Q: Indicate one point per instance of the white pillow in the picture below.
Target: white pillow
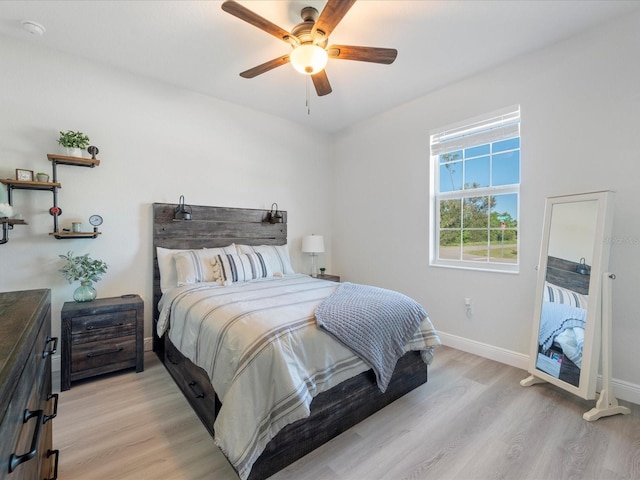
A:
(194, 266)
(276, 256)
(241, 267)
(556, 294)
(168, 274)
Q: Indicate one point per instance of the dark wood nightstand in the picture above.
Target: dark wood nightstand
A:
(101, 336)
(331, 278)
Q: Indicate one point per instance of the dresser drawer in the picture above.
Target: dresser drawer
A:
(104, 353)
(26, 404)
(110, 325)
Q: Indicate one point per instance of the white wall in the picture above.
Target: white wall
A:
(156, 143)
(575, 97)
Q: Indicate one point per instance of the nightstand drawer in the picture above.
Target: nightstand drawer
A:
(105, 352)
(112, 325)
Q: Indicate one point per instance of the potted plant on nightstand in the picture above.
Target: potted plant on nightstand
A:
(85, 269)
(73, 142)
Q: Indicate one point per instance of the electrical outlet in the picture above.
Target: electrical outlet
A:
(467, 302)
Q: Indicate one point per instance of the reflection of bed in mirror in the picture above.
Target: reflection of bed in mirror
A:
(563, 320)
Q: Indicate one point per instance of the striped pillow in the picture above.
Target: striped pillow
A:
(194, 266)
(243, 267)
(554, 293)
(277, 256)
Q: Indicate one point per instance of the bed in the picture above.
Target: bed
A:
(333, 402)
(563, 319)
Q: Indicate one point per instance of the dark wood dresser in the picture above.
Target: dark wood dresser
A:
(27, 406)
(101, 336)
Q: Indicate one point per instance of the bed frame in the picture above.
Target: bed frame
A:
(333, 411)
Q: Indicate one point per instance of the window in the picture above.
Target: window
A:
(475, 189)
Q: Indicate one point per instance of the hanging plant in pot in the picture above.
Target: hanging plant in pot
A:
(73, 143)
(85, 269)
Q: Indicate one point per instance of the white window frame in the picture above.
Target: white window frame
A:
(492, 127)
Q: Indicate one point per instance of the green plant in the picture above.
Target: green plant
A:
(42, 173)
(82, 268)
(71, 139)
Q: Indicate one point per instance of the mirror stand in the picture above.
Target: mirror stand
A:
(607, 403)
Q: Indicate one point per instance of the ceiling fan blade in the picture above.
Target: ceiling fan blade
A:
(265, 67)
(331, 15)
(243, 13)
(321, 82)
(363, 54)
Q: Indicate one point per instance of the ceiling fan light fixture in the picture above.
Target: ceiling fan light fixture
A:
(309, 59)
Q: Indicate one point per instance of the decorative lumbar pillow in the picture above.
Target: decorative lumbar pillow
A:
(276, 256)
(555, 294)
(194, 266)
(242, 267)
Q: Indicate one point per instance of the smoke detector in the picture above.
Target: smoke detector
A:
(34, 28)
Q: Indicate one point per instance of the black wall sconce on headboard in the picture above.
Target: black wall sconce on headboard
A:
(274, 216)
(182, 211)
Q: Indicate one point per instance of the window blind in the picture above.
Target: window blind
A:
(476, 132)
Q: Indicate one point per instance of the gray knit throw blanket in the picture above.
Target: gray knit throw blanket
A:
(373, 322)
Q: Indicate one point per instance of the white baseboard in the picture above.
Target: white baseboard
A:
(627, 391)
(485, 350)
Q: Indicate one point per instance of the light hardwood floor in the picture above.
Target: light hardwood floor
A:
(472, 420)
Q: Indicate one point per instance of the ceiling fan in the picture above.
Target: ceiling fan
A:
(309, 42)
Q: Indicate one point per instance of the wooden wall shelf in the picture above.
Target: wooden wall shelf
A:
(29, 185)
(53, 186)
(75, 161)
(67, 235)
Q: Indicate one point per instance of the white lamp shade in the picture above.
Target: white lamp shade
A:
(308, 59)
(313, 244)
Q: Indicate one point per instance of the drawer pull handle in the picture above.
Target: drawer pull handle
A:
(15, 460)
(105, 352)
(55, 465)
(198, 393)
(119, 324)
(51, 351)
(55, 407)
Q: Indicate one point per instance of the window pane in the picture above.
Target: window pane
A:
(510, 144)
(504, 245)
(476, 212)
(475, 245)
(450, 156)
(451, 177)
(450, 214)
(477, 151)
(506, 168)
(450, 247)
(504, 208)
(476, 173)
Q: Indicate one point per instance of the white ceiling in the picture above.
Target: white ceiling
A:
(195, 45)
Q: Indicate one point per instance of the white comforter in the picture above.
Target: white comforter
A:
(270, 358)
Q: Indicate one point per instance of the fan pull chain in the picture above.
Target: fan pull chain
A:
(308, 103)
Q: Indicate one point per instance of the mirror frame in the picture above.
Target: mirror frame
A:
(592, 338)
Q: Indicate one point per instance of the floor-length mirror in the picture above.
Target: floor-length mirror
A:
(565, 344)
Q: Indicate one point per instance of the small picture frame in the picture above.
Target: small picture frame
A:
(24, 175)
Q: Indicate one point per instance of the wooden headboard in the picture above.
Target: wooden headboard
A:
(209, 227)
(563, 273)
